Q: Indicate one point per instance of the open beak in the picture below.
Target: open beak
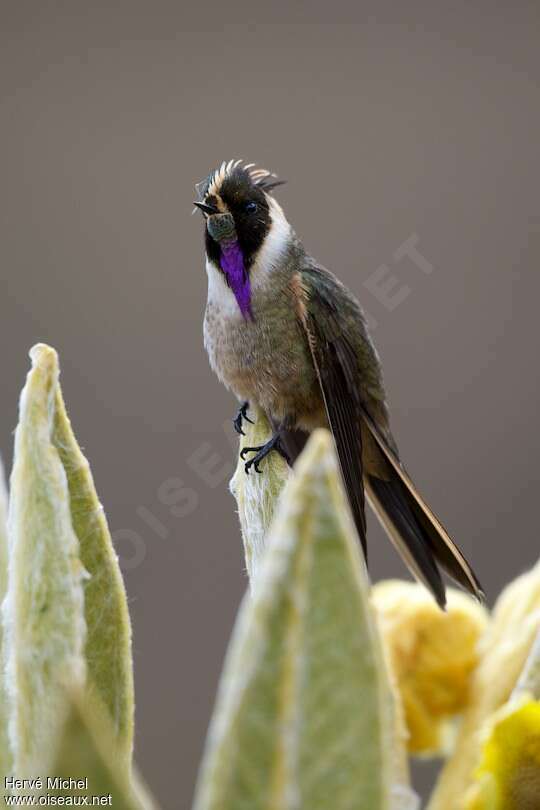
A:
(206, 209)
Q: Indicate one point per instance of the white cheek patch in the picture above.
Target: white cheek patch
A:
(273, 248)
(219, 292)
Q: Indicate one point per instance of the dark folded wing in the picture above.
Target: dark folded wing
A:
(336, 366)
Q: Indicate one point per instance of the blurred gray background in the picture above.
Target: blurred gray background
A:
(396, 125)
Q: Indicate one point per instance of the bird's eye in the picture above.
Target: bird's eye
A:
(250, 207)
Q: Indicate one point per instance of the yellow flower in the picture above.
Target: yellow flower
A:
(508, 777)
(432, 655)
(504, 649)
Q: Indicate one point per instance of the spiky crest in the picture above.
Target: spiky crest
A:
(262, 178)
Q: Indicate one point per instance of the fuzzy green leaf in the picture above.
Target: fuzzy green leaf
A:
(6, 763)
(257, 495)
(529, 680)
(84, 752)
(44, 610)
(3, 532)
(305, 710)
(108, 630)
(66, 615)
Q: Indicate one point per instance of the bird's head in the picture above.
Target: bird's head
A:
(242, 219)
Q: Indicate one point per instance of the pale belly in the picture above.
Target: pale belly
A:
(265, 361)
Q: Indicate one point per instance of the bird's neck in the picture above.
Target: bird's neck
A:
(233, 265)
(241, 288)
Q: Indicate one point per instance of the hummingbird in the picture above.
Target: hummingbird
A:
(282, 332)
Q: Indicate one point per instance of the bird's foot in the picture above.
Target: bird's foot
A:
(240, 416)
(262, 451)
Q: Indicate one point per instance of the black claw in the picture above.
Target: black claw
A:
(261, 452)
(245, 450)
(253, 462)
(237, 424)
(239, 418)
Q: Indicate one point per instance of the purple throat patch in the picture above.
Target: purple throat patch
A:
(234, 268)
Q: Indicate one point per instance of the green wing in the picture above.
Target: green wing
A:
(337, 366)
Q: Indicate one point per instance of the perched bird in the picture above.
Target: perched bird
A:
(283, 332)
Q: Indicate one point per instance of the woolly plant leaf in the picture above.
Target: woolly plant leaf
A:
(87, 764)
(529, 680)
(44, 622)
(305, 711)
(257, 494)
(108, 629)
(66, 613)
(6, 765)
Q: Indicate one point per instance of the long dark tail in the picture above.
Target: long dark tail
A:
(417, 533)
(389, 503)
